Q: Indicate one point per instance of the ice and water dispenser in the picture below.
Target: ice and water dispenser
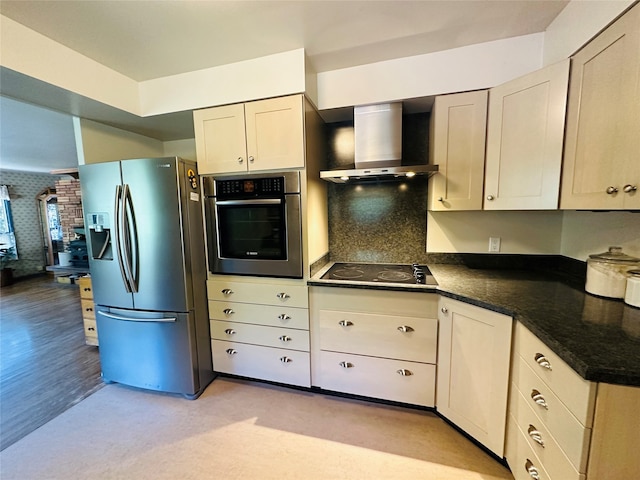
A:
(100, 236)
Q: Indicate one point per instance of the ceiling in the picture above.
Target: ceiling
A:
(167, 37)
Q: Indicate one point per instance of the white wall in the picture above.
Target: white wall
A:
(181, 148)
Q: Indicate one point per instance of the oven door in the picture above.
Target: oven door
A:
(261, 236)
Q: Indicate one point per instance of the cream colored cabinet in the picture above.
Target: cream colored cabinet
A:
(88, 311)
(260, 330)
(525, 133)
(261, 135)
(457, 144)
(474, 347)
(602, 146)
(374, 343)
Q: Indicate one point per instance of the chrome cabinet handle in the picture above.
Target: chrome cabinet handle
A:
(490, 197)
(629, 188)
(282, 296)
(227, 291)
(537, 397)
(283, 316)
(284, 338)
(240, 160)
(285, 360)
(346, 364)
(444, 310)
(251, 159)
(532, 470)
(535, 435)
(230, 331)
(405, 328)
(231, 351)
(611, 190)
(345, 323)
(404, 372)
(228, 311)
(542, 361)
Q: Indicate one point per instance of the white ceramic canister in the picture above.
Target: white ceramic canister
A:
(632, 294)
(607, 272)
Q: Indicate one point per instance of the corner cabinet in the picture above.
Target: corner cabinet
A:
(474, 349)
(524, 140)
(261, 135)
(457, 143)
(602, 146)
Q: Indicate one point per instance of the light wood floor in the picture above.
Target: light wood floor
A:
(45, 366)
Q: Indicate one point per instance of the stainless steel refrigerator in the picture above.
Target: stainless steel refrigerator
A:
(145, 239)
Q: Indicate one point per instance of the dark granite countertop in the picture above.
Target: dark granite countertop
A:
(599, 338)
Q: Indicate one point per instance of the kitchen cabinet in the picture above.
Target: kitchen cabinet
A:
(374, 343)
(474, 347)
(602, 145)
(525, 133)
(88, 311)
(260, 330)
(457, 145)
(260, 135)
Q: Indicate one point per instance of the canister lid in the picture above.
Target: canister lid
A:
(614, 255)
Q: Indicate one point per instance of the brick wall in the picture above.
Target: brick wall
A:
(69, 207)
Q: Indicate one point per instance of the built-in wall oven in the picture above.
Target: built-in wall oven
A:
(254, 224)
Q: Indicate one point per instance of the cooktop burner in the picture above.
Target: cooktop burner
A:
(381, 273)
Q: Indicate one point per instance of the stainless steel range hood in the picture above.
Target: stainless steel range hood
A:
(378, 173)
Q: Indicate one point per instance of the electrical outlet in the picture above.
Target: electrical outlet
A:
(494, 244)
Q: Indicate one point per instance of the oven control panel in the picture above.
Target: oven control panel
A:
(256, 187)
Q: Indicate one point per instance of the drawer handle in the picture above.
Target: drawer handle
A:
(405, 328)
(227, 291)
(284, 316)
(285, 338)
(532, 470)
(87, 289)
(404, 372)
(89, 309)
(228, 311)
(346, 364)
(535, 435)
(542, 361)
(231, 351)
(230, 331)
(283, 296)
(345, 323)
(444, 310)
(91, 329)
(285, 360)
(539, 399)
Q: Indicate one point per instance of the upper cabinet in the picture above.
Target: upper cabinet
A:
(261, 135)
(458, 131)
(524, 140)
(602, 146)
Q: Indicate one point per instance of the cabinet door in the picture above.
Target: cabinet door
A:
(220, 139)
(524, 140)
(458, 133)
(275, 133)
(603, 120)
(474, 347)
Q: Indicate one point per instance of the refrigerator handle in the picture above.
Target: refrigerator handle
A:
(129, 233)
(129, 319)
(118, 236)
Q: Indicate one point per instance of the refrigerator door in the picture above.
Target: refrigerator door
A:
(156, 228)
(100, 183)
(151, 350)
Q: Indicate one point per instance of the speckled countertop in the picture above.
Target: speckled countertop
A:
(597, 337)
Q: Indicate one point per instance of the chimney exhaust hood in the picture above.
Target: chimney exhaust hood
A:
(377, 147)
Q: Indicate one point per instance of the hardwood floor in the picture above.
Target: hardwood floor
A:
(45, 366)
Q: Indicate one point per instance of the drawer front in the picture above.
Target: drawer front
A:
(404, 338)
(264, 363)
(90, 328)
(275, 316)
(557, 418)
(260, 335)
(86, 291)
(560, 463)
(577, 393)
(261, 293)
(378, 378)
(88, 309)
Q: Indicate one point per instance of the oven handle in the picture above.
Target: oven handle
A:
(263, 201)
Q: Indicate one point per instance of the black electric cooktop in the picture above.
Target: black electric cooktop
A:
(379, 273)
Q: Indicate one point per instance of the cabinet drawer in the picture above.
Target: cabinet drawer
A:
(275, 316)
(88, 309)
(261, 293)
(404, 338)
(265, 363)
(90, 328)
(378, 378)
(559, 462)
(575, 392)
(557, 418)
(260, 335)
(86, 291)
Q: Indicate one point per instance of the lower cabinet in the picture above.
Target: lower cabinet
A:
(374, 343)
(88, 311)
(473, 370)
